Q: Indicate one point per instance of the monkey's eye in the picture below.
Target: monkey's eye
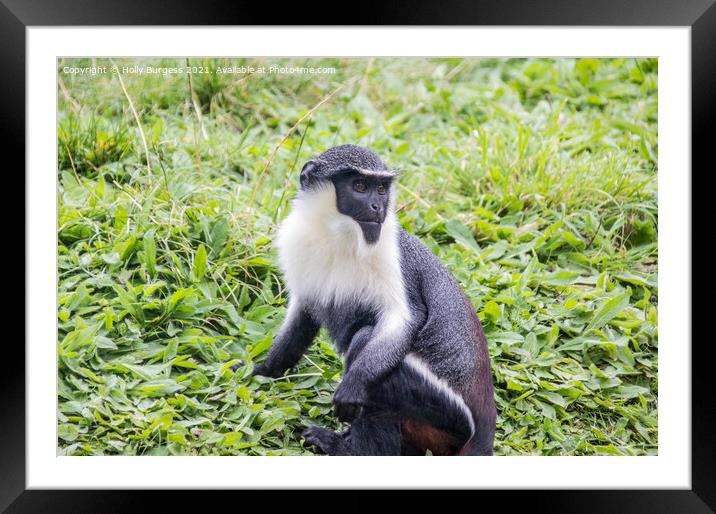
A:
(359, 186)
(381, 189)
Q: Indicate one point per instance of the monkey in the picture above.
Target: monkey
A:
(417, 373)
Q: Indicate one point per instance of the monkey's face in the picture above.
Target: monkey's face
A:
(365, 198)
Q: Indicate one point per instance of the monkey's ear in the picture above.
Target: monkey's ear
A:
(308, 173)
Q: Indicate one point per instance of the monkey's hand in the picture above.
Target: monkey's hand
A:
(349, 399)
(237, 366)
(264, 371)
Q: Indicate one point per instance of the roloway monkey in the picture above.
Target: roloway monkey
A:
(417, 371)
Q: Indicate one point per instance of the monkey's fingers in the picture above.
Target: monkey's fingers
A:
(318, 437)
(236, 366)
(263, 371)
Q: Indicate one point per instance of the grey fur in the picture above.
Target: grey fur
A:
(348, 158)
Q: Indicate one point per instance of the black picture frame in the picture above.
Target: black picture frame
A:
(699, 15)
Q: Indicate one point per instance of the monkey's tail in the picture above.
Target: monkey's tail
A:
(415, 392)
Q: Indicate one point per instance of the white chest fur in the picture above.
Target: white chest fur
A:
(325, 258)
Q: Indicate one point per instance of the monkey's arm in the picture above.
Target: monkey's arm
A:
(294, 337)
(385, 349)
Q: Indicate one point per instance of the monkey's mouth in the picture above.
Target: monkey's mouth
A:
(371, 230)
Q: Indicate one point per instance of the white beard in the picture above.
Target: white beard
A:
(324, 257)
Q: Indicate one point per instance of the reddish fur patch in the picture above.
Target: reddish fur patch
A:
(479, 397)
(422, 436)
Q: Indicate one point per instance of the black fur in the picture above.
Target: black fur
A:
(365, 199)
(294, 338)
(381, 390)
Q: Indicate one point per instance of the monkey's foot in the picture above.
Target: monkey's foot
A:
(327, 441)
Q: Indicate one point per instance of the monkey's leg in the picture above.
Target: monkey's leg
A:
(295, 336)
(431, 415)
(375, 433)
(410, 406)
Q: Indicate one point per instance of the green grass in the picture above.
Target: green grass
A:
(533, 180)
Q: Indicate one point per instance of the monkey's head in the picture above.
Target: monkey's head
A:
(362, 183)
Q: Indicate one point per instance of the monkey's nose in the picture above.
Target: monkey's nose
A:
(374, 206)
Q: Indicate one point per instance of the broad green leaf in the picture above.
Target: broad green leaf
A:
(199, 267)
(608, 311)
(462, 235)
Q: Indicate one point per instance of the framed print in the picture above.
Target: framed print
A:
(466, 236)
